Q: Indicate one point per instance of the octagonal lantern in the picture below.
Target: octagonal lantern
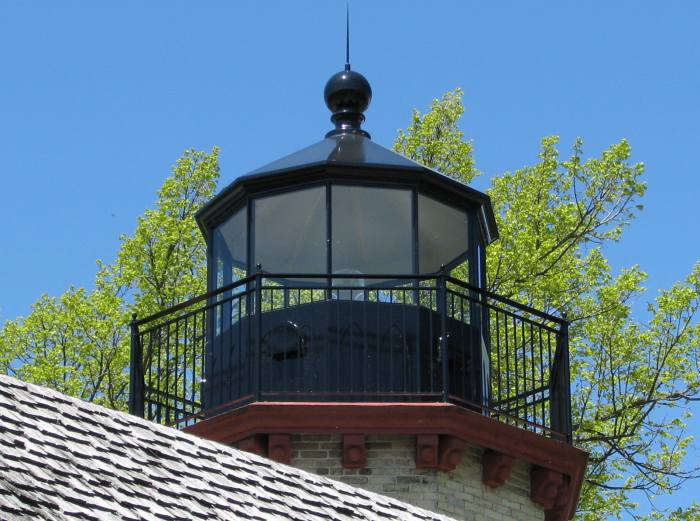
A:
(327, 261)
(346, 206)
(351, 280)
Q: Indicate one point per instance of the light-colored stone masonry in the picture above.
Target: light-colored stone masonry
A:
(391, 471)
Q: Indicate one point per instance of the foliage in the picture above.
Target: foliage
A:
(435, 140)
(78, 343)
(74, 343)
(632, 379)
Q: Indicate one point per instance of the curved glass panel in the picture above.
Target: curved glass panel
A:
(230, 246)
(372, 230)
(443, 234)
(290, 232)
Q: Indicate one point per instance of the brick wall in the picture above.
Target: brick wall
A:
(391, 471)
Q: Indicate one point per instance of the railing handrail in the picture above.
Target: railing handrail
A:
(442, 290)
(194, 300)
(505, 300)
(382, 276)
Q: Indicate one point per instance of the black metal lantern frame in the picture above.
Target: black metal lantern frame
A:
(329, 175)
(408, 335)
(472, 248)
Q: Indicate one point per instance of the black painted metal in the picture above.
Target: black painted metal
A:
(136, 396)
(348, 159)
(469, 255)
(398, 338)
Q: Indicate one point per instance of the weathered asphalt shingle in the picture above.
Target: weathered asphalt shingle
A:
(62, 458)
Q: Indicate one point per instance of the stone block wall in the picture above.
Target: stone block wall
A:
(391, 470)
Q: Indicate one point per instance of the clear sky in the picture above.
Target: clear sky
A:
(97, 100)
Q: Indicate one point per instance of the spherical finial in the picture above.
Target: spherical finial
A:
(347, 95)
(347, 91)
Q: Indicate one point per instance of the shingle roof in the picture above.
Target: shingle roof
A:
(62, 458)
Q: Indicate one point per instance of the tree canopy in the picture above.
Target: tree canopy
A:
(632, 377)
(78, 343)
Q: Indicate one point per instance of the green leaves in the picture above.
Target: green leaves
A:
(435, 140)
(73, 343)
(553, 219)
(632, 377)
(164, 262)
(78, 343)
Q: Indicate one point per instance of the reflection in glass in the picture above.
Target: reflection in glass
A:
(371, 230)
(290, 232)
(229, 248)
(443, 234)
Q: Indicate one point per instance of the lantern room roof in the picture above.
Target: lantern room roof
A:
(347, 149)
(347, 157)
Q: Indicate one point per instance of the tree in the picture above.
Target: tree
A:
(78, 343)
(632, 380)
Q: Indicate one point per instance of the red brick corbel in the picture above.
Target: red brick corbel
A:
(558, 511)
(450, 454)
(279, 447)
(354, 456)
(545, 486)
(255, 444)
(439, 452)
(496, 468)
(427, 451)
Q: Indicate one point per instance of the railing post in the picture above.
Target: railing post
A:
(258, 334)
(442, 310)
(560, 401)
(566, 382)
(136, 397)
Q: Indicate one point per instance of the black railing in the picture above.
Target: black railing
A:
(353, 338)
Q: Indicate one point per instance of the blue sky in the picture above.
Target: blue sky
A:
(98, 100)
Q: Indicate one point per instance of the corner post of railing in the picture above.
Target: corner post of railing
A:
(566, 380)
(561, 398)
(442, 310)
(258, 333)
(136, 397)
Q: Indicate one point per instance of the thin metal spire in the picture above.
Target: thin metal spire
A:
(347, 36)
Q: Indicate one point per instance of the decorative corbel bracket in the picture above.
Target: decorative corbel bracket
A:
(427, 451)
(354, 456)
(496, 468)
(279, 447)
(546, 487)
(438, 452)
(255, 444)
(451, 450)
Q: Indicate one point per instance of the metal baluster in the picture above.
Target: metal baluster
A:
(193, 381)
(176, 407)
(442, 309)
(498, 356)
(136, 395)
(257, 375)
(185, 342)
(542, 417)
(239, 371)
(516, 376)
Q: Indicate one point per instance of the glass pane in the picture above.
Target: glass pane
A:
(443, 234)
(230, 246)
(290, 232)
(372, 231)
